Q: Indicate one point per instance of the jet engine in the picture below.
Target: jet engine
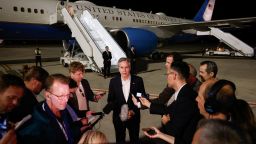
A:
(143, 41)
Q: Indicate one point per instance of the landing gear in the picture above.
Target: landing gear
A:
(232, 53)
(157, 56)
(64, 64)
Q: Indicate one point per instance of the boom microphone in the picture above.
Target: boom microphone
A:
(124, 112)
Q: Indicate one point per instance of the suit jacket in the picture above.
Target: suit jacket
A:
(164, 96)
(88, 93)
(107, 56)
(183, 113)
(116, 97)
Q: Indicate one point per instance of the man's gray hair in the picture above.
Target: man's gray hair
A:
(124, 59)
(214, 131)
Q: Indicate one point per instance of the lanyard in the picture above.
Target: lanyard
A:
(62, 126)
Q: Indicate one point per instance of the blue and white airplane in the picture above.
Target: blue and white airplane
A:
(42, 20)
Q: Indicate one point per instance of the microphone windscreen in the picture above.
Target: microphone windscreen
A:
(124, 112)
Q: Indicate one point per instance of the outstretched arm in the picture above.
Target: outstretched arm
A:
(158, 134)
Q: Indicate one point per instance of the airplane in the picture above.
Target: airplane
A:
(42, 20)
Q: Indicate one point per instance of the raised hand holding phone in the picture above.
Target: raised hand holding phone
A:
(149, 131)
(153, 132)
(138, 95)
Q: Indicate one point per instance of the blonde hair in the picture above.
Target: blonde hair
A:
(93, 137)
(76, 66)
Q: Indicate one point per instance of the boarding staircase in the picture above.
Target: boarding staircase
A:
(93, 38)
(230, 40)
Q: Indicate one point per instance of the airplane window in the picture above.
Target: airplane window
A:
(35, 10)
(120, 19)
(22, 9)
(113, 18)
(105, 17)
(29, 10)
(15, 8)
(42, 11)
(117, 18)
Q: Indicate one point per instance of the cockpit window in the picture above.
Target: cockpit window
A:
(22, 9)
(29, 10)
(42, 11)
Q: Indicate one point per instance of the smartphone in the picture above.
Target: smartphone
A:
(138, 94)
(150, 131)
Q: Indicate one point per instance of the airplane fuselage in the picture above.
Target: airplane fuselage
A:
(37, 19)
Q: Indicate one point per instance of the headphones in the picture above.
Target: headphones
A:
(212, 105)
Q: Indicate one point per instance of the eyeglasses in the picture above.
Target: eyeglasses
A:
(60, 97)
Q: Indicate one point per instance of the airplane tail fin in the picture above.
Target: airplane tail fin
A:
(206, 11)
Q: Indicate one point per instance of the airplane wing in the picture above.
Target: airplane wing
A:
(166, 31)
(235, 23)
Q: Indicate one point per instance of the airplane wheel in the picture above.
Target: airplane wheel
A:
(64, 64)
(162, 56)
(232, 54)
(211, 53)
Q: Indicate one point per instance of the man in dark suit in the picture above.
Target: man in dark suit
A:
(180, 114)
(131, 54)
(121, 89)
(167, 92)
(38, 57)
(107, 61)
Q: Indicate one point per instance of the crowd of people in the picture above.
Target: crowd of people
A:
(195, 111)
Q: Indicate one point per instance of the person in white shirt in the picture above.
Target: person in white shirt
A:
(126, 114)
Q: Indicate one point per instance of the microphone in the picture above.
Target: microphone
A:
(90, 119)
(124, 112)
(108, 108)
(97, 113)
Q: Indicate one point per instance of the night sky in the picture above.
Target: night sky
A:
(186, 8)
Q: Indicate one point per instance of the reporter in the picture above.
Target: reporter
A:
(93, 137)
(11, 91)
(83, 94)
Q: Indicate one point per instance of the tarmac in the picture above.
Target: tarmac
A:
(240, 71)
